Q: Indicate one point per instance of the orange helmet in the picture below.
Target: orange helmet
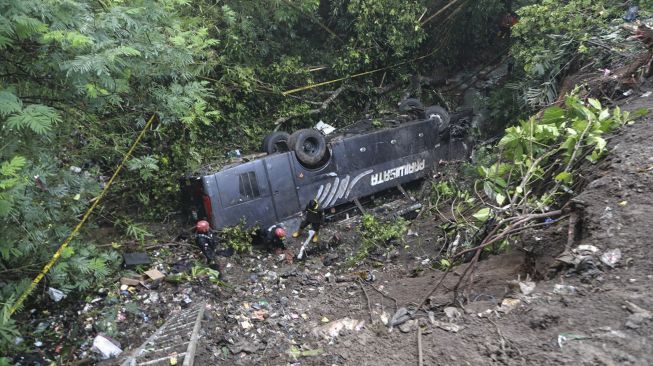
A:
(202, 226)
(280, 232)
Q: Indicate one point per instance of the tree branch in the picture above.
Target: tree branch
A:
(318, 110)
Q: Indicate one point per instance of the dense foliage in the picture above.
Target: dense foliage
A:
(554, 39)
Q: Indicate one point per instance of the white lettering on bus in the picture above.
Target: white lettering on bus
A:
(398, 172)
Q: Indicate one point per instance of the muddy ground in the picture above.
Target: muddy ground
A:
(575, 315)
(273, 310)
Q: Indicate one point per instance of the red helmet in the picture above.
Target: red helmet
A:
(280, 232)
(202, 226)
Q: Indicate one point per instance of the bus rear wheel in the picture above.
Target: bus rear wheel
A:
(309, 146)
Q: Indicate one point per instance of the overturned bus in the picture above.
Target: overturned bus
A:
(274, 189)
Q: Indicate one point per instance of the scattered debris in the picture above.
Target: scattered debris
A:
(106, 347)
(130, 281)
(325, 128)
(449, 327)
(508, 305)
(561, 289)
(611, 257)
(135, 259)
(638, 315)
(333, 329)
(400, 317)
(566, 337)
(452, 313)
(409, 326)
(56, 295)
(518, 287)
(296, 352)
(154, 274)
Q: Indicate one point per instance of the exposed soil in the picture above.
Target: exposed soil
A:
(276, 311)
(588, 323)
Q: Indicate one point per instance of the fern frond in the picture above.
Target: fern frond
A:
(36, 117)
(9, 103)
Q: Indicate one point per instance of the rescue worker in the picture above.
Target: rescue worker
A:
(314, 217)
(206, 239)
(275, 236)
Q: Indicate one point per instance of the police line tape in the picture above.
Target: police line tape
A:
(311, 86)
(66, 242)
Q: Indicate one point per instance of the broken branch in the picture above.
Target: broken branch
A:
(320, 109)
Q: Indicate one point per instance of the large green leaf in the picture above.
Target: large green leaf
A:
(9, 103)
(36, 117)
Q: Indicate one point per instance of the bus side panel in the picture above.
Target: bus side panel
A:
(282, 185)
(241, 193)
(345, 187)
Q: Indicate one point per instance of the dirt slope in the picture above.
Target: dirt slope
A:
(589, 323)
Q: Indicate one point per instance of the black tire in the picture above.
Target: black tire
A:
(275, 142)
(309, 146)
(439, 115)
(410, 104)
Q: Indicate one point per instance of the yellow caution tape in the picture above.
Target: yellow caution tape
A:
(66, 242)
(311, 86)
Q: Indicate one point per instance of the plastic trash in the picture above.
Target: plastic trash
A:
(611, 257)
(564, 289)
(325, 128)
(55, 294)
(105, 347)
(631, 13)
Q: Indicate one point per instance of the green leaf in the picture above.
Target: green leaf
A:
(564, 177)
(500, 198)
(482, 215)
(10, 168)
(594, 103)
(9, 103)
(36, 117)
(552, 115)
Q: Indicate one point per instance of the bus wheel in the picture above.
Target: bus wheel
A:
(309, 146)
(275, 142)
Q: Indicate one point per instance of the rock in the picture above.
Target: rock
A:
(330, 259)
(106, 347)
(243, 346)
(409, 326)
(638, 315)
(452, 313)
(479, 306)
(271, 276)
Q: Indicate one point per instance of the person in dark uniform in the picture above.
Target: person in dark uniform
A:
(275, 236)
(206, 240)
(314, 217)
